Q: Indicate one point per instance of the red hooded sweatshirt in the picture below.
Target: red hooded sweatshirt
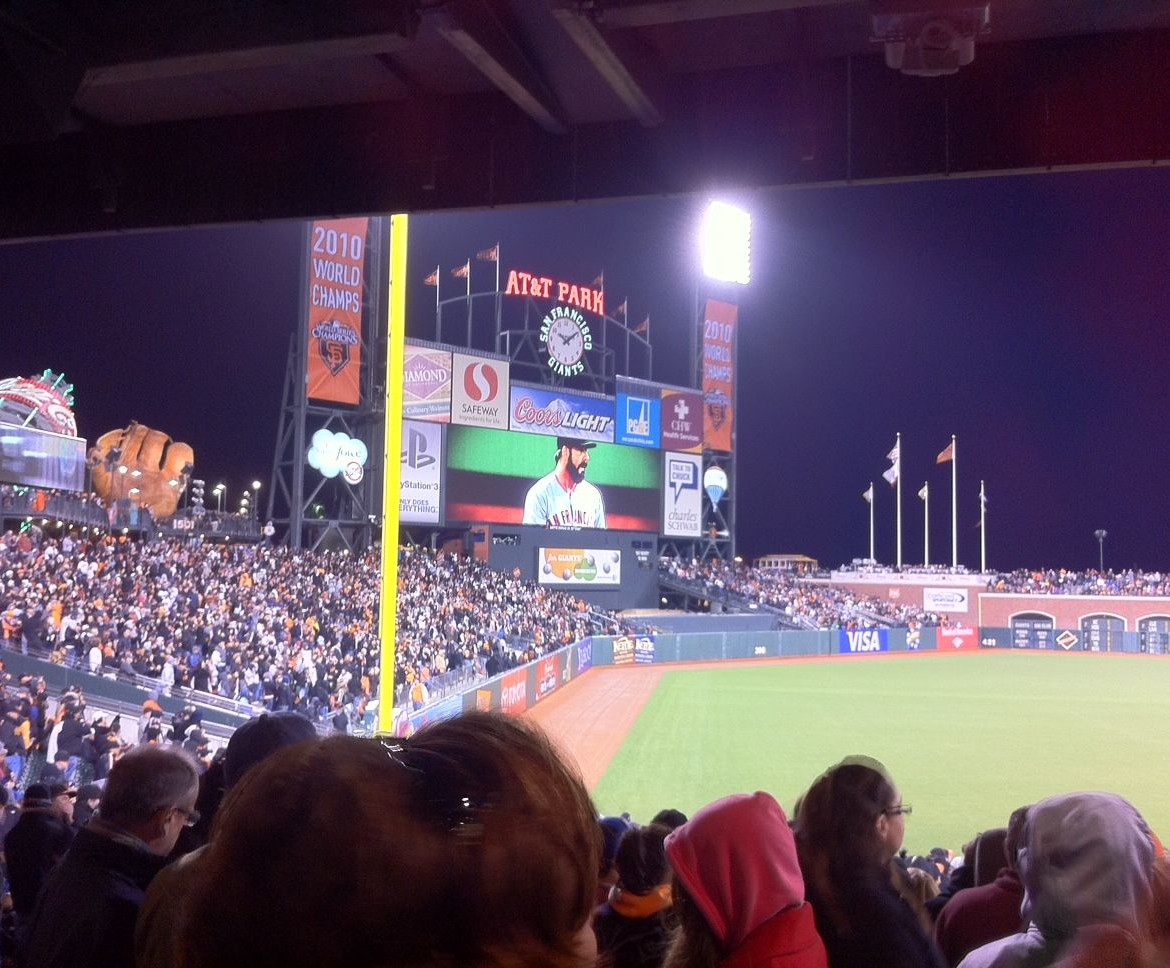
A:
(737, 859)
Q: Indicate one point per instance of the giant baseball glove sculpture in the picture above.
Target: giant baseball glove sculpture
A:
(156, 472)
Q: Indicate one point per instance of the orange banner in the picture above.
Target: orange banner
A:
(719, 374)
(337, 259)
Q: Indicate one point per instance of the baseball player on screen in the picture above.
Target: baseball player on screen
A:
(563, 498)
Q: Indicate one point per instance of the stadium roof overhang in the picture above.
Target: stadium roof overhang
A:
(138, 114)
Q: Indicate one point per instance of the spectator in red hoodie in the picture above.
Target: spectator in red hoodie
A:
(738, 890)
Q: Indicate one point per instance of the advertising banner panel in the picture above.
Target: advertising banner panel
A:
(420, 497)
(558, 413)
(37, 458)
(444, 709)
(579, 566)
(336, 269)
(682, 420)
(503, 477)
(479, 391)
(946, 600)
(514, 692)
(719, 374)
(957, 637)
(858, 641)
(682, 495)
(639, 414)
(644, 650)
(426, 384)
(547, 677)
(623, 650)
(584, 655)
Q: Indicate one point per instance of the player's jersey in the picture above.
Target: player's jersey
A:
(549, 504)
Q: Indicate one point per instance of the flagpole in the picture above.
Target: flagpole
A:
(898, 445)
(954, 508)
(871, 496)
(467, 266)
(926, 525)
(982, 530)
(438, 324)
(499, 301)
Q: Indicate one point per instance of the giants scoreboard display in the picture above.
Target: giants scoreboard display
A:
(506, 448)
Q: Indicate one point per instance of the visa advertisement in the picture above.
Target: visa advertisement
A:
(555, 412)
(639, 414)
(420, 496)
(862, 641)
(579, 566)
(426, 384)
(479, 391)
(682, 495)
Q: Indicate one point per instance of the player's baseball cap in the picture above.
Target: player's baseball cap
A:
(575, 442)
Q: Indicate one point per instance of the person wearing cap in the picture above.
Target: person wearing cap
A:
(563, 498)
(85, 805)
(89, 905)
(33, 847)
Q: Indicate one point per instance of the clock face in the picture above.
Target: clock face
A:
(566, 343)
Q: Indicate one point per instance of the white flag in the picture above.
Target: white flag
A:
(891, 474)
(893, 454)
(867, 494)
(925, 490)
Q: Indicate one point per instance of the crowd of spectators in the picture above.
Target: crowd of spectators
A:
(808, 603)
(268, 626)
(1064, 581)
(195, 862)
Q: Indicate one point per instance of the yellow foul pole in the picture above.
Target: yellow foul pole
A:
(391, 470)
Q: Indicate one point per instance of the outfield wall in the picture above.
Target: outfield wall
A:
(520, 689)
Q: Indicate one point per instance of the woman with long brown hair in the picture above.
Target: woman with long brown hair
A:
(469, 844)
(850, 824)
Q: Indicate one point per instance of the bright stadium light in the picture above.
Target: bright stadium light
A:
(725, 243)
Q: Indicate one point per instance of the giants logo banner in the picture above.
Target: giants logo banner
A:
(336, 262)
(479, 391)
(719, 375)
(426, 384)
(682, 421)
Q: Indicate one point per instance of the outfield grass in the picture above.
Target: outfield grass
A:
(967, 737)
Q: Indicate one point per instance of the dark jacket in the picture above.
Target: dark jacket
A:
(632, 930)
(884, 931)
(87, 913)
(33, 847)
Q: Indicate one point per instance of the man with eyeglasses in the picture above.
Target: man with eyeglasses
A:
(86, 914)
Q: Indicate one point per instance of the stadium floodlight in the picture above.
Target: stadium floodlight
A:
(725, 243)
(255, 485)
(1100, 534)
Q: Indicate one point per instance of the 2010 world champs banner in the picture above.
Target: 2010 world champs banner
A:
(336, 289)
(719, 375)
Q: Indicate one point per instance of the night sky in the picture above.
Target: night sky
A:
(1026, 315)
